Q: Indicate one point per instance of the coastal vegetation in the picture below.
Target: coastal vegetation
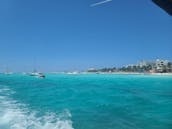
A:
(158, 66)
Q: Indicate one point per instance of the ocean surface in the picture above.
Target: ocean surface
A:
(96, 101)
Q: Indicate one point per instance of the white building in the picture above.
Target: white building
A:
(142, 63)
(146, 63)
(161, 64)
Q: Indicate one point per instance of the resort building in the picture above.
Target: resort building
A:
(156, 66)
(161, 65)
(146, 63)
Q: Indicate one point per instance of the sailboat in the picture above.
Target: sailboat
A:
(37, 74)
(7, 72)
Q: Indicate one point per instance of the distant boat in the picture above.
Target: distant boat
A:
(8, 73)
(37, 74)
(41, 75)
(74, 73)
(34, 74)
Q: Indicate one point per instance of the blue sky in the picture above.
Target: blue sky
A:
(57, 35)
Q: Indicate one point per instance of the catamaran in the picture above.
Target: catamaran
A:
(37, 74)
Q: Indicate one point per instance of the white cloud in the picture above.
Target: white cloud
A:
(101, 2)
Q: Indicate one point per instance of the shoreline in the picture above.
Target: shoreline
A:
(129, 73)
(113, 73)
(110, 73)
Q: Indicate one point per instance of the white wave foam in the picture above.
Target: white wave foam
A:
(16, 116)
(4, 89)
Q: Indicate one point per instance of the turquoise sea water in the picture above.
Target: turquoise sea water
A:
(86, 102)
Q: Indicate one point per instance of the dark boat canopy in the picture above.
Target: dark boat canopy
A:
(165, 5)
